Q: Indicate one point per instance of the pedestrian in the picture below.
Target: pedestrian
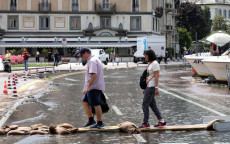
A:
(93, 87)
(49, 55)
(77, 56)
(151, 91)
(166, 56)
(7, 62)
(8, 55)
(117, 59)
(25, 56)
(37, 56)
(56, 58)
(112, 56)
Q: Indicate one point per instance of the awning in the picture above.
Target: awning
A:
(68, 45)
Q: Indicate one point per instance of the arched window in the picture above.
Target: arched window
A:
(120, 27)
(220, 12)
(225, 14)
(90, 26)
(105, 34)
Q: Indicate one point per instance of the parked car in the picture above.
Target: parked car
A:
(100, 53)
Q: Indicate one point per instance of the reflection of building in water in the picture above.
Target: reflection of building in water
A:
(69, 24)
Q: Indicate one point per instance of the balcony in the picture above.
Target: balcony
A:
(75, 7)
(13, 7)
(105, 8)
(44, 7)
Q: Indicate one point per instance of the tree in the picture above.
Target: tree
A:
(219, 23)
(207, 21)
(185, 38)
(191, 17)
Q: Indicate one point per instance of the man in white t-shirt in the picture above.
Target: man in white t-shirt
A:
(152, 79)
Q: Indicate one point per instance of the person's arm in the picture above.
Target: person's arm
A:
(157, 75)
(91, 82)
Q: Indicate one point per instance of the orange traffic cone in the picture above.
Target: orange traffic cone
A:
(14, 94)
(9, 84)
(5, 89)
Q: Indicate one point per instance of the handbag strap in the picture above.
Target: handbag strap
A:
(151, 77)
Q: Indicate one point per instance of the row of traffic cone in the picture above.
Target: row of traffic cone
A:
(14, 81)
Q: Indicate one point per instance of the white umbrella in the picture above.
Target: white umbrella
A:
(219, 38)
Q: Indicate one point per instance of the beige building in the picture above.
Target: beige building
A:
(69, 24)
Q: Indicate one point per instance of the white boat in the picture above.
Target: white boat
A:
(217, 65)
(197, 64)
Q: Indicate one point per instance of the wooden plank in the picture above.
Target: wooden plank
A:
(176, 128)
(105, 129)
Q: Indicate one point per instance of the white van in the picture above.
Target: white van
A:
(156, 43)
(100, 53)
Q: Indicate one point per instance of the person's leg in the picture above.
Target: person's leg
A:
(26, 65)
(145, 106)
(153, 104)
(88, 111)
(98, 112)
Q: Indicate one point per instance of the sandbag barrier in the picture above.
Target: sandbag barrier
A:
(125, 127)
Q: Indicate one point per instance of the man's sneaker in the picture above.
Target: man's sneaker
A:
(90, 123)
(97, 126)
(160, 124)
(144, 125)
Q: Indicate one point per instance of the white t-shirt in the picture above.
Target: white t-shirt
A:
(154, 66)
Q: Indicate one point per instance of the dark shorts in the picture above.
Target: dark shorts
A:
(93, 97)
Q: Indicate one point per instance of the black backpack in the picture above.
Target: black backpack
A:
(143, 83)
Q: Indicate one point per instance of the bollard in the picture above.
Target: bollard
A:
(70, 70)
(228, 75)
(127, 63)
(53, 71)
(9, 84)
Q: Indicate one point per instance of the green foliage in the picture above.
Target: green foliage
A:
(20, 51)
(13, 52)
(185, 38)
(219, 23)
(170, 51)
(207, 21)
(45, 52)
(194, 19)
(108, 51)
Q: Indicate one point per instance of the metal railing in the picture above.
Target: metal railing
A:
(13, 7)
(75, 7)
(105, 8)
(44, 7)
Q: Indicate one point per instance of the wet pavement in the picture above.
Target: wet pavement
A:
(177, 90)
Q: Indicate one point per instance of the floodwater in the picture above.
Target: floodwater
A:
(63, 104)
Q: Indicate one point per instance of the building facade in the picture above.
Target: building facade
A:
(217, 7)
(69, 24)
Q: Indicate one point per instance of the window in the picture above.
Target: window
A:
(44, 22)
(75, 5)
(75, 22)
(220, 12)
(225, 14)
(105, 4)
(13, 4)
(105, 22)
(13, 22)
(135, 5)
(120, 27)
(155, 24)
(90, 26)
(135, 23)
(229, 14)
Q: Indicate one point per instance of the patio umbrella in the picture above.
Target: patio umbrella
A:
(219, 38)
